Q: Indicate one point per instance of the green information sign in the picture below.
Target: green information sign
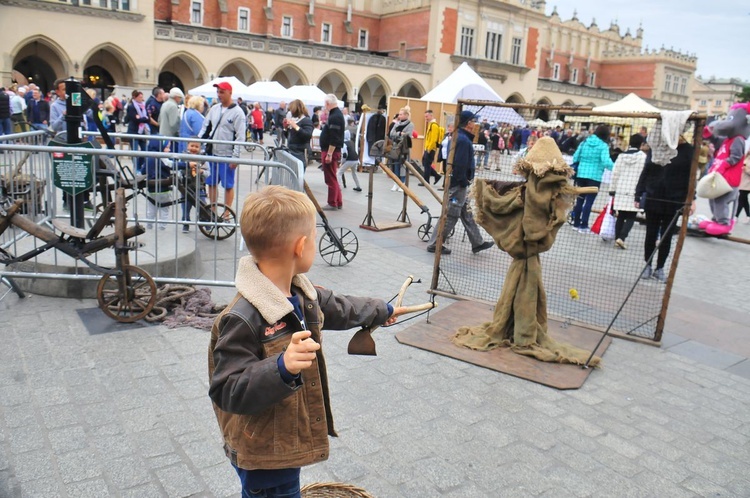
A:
(72, 172)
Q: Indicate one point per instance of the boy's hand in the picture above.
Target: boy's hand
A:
(400, 310)
(300, 353)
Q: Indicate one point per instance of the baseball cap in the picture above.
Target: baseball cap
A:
(176, 92)
(223, 85)
(465, 117)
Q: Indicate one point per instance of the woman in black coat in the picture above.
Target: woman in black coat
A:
(300, 128)
(665, 188)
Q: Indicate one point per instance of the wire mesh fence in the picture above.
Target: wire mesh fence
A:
(612, 262)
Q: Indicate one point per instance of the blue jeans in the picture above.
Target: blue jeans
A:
(139, 162)
(6, 126)
(584, 202)
(289, 489)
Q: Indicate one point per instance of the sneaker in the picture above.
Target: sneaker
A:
(150, 226)
(659, 275)
(621, 244)
(162, 227)
(647, 272)
(185, 228)
(444, 250)
(394, 188)
(400, 189)
(88, 206)
(584, 231)
(481, 247)
(357, 189)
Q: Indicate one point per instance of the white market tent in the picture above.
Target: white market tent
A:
(538, 123)
(208, 90)
(311, 95)
(630, 103)
(465, 83)
(268, 92)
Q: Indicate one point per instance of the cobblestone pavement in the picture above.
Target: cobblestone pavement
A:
(126, 413)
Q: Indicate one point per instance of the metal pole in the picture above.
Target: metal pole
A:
(73, 117)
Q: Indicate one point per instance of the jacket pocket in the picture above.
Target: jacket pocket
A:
(283, 429)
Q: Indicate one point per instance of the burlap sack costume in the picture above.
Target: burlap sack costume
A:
(523, 218)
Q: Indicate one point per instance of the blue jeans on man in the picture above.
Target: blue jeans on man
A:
(6, 126)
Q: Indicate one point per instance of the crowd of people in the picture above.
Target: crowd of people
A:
(331, 132)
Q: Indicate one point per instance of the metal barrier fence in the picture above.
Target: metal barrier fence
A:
(200, 248)
(588, 281)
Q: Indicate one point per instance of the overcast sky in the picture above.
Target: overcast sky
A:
(715, 31)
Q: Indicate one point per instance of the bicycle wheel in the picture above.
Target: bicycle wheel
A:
(218, 221)
(131, 301)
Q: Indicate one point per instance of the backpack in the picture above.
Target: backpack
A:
(441, 135)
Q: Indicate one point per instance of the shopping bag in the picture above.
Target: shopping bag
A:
(607, 232)
(599, 223)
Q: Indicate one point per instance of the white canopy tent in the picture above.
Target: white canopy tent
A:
(538, 123)
(311, 95)
(208, 90)
(465, 83)
(268, 92)
(630, 103)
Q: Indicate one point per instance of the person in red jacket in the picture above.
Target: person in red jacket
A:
(257, 117)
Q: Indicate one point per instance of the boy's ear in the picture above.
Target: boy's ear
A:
(299, 246)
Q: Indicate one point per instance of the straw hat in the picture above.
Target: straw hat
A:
(544, 156)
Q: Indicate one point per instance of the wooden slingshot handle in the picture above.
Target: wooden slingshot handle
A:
(362, 342)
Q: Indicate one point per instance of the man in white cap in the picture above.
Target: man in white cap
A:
(169, 117)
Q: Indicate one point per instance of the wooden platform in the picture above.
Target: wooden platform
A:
(435, 336)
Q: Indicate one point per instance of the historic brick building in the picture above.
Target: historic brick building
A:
(361, 50)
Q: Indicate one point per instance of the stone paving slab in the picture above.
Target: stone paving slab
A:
(125, 413)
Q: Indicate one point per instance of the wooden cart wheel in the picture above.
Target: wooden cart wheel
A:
(222, 223)
(335, 254)
(127, 297)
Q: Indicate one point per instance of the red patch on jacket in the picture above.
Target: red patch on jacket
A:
(275, 328)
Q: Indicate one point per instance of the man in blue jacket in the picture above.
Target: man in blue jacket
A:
(461, 176)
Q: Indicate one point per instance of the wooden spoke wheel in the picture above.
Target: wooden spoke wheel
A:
(221, 224)
(338, 252)
(127, 297)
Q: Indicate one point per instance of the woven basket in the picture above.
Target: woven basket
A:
(333, 490)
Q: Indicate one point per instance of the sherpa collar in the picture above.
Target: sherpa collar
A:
(270, 302)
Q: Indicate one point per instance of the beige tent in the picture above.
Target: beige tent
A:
(630, 103)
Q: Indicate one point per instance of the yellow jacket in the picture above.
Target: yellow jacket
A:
(432, 136)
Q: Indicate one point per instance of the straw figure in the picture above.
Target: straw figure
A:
(523, 218)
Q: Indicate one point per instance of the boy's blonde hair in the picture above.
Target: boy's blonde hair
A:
(274, 217)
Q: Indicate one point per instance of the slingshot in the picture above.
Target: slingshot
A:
(362, 342)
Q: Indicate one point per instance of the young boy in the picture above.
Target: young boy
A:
(192, 175)
(267, 373)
